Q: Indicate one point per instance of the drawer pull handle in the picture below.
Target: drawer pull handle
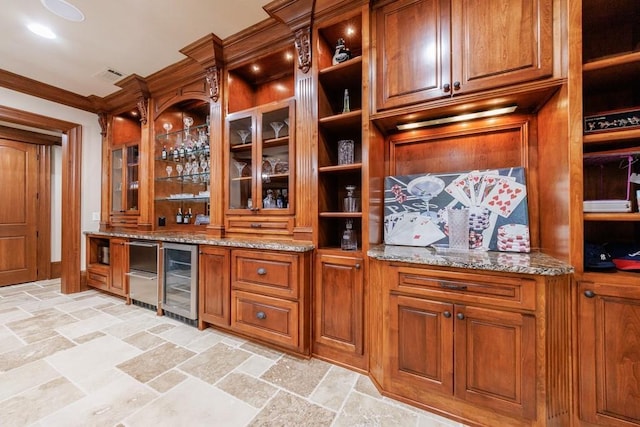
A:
(255, 225)
(589, 294)
(261, 315)
(447, 314)
(262, 271)
(446, 285)
(460, 316)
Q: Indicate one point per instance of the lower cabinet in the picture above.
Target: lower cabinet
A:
(107, 264)
(609, 354)
(338, 310)
(263, 295)
(487, 348)
(214, 286)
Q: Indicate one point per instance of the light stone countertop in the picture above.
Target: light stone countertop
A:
(510, 262)
(203, 239)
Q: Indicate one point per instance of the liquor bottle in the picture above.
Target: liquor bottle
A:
(179, 216)
(186, 219)
(181, 151)
(164, 152)
(345, 102)
(175, 154)
(349, 241)
(279, 199)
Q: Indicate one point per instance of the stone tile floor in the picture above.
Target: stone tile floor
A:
(88, 359)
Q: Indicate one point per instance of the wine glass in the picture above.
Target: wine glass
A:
(179, 169)
(273, 162)
(276, 126)
(187, 121)
(426, 188)
(188, 168)
(243, 133)
(169, 169)
(240, 166)
(167, 127)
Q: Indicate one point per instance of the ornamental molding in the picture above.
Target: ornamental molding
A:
(303, 47)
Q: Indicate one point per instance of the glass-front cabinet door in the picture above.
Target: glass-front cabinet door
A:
(260, 143)
(124, 179)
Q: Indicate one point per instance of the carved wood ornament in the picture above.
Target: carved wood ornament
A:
(102, 121)
(303, 46)
(213, 80)
(142, 109)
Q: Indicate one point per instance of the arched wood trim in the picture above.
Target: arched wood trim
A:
(71, 188)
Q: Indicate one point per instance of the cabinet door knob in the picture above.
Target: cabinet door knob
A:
(446, 87)
(447, 314)
(589, 294)
(456, 85)
(262, 271)
(460, 316)
(357, 266)
(261, 315)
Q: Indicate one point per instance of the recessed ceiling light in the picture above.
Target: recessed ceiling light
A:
(41, 30)
(64, 10)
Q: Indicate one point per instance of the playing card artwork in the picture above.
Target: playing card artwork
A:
(416, 208)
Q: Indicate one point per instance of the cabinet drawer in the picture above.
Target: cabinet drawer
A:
(124, 221)
(260, 225)
(97, 279)
(506, 291)
(275, 274)
(267, 318)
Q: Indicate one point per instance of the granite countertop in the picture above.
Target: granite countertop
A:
(509, 262)
(203, 239)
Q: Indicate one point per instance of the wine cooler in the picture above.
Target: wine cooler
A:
(180, 287)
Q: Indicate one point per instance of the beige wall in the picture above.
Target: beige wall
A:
(91, 162)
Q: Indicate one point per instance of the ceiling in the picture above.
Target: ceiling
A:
(126, 36)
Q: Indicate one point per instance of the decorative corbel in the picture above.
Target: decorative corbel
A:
(303, 46)
(102, 121)
(212, 75)
(142, 109)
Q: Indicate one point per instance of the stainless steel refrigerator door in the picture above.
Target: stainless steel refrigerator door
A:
(143, 287)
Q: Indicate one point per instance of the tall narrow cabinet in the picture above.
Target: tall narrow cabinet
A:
(344, 162)
(608, 299)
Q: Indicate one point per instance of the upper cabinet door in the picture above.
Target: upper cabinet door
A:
(413, 52)
(500, 42)
(431, 49)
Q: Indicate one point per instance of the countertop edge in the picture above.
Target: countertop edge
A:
(265, 244)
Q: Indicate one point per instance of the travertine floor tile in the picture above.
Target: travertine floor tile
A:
(334, 388)
(297, 375)
(193, 403)
(32, 352)
(155, 362)
(249, 389)
(286, 409)
(215, 363)
(35, 403)
(361, 410)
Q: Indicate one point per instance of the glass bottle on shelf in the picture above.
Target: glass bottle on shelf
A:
(351, 203)
(349, 241)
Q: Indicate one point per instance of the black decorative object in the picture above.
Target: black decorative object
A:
(342, 53)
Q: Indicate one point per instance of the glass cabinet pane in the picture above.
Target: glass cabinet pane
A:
(275, 158)
(241, 145)
(116, 180)
(132, 178)
(179, 294)
(259, 145)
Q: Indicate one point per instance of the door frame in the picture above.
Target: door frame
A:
(71, 189)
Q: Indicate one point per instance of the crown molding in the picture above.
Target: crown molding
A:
(38, 89)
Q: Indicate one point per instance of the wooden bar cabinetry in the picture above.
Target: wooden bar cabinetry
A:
(485, 348)
(429, 49)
